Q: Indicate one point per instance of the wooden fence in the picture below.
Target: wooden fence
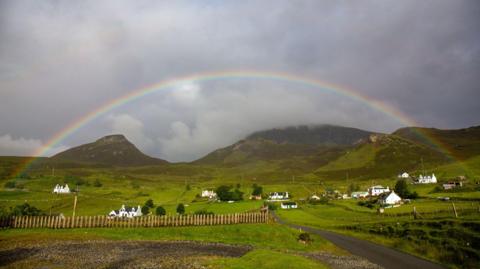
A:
(57, 222)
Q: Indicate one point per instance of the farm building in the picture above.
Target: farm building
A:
(209, 193)
(314, 197)
(390, 199)
(427, 179)
(61, 189)
(452, 185)
(404, 175)
(126, 211)
(278, 196)
(288, 205)
(377, 190)
(359, 194)
(255, 197)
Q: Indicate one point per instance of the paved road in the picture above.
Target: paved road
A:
(384, 256)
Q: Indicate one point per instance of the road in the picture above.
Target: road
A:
(384, 256)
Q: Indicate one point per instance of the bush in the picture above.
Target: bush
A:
(181, 209)
(203, 212)
(10, 185)
(160, 211)
(97, 183)
(257, 190)
(149, 203)
(304, 237)
(271, 206)
(224, 193)
(145, 210)
(26, 210)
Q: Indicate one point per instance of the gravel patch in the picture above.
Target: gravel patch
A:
(341, 262)
(117, 254)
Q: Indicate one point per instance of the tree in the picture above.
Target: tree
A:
(352, 188)
(145, 210)
(401, 188)
(181, 209)
(97, 183)
(149, 203)
(160, 211)
(224, 193)
(257, 190)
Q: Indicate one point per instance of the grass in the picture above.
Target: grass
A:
(269, 236)
(263, 259)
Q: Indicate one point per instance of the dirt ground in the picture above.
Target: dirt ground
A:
(116, 254)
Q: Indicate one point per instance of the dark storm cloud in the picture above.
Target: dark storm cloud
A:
(60, 60)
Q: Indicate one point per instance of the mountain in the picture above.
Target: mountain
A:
(326, 135)
(326, 151)
(461, 143)
(312, 145)
(114, 150)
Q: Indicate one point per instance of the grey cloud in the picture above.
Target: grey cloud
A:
(60, 60)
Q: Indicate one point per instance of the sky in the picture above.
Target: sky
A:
(60, 60)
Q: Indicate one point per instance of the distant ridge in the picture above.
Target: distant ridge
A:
(114, 150)
(327, 135)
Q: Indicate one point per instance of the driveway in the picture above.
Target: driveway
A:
(384, 256)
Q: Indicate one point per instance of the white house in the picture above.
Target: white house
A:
(390, 199)
(61, 189)
(427, 179)
(288, 205)
(404, 175)
(209, 193)
(126, 211)
(278, 196)
(359, 194)
(314, 197)
(377, 190)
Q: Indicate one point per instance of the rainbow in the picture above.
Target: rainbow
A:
(223, 75)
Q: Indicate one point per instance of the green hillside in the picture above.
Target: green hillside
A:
(113, 150)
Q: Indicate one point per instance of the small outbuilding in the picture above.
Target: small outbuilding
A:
(288, 205)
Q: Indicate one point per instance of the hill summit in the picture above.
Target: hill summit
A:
(113, 150)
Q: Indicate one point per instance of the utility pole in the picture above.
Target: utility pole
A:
(53, 171)
(75, 201)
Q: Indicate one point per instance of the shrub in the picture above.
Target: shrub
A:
(149, 203)
(10, 185)
(203, 212)
(26, 210)
(224, 193)
(145, 210)
(160, 211)
(257, 190)
(304, 237)
(97, 183)
(181, 209)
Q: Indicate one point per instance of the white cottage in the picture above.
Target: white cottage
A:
(278, 196)
(210, 194)
(126, 212)
(390, 199)
(427, 179)
(61, 189)
(288, 205)
(404, 175)
(377, 190)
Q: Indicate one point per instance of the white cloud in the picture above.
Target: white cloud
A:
(21, 146)
(132, 128)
